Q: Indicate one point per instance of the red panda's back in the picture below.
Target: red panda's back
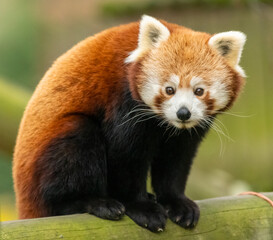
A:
(83, 80)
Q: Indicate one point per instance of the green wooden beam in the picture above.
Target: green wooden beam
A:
(238, 218)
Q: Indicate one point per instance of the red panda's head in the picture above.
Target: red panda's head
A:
(183, 75)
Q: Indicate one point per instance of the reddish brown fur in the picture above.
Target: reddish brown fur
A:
(86, 78)
(236, 85)
(133, 72)
(159, 99)
(82, 80)
(209, 102)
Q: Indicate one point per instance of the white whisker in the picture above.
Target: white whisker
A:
(208, 122)
(139, 114)
(235, 114)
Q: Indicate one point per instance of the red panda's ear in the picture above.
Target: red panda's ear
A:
(151, 33)
(230, 46)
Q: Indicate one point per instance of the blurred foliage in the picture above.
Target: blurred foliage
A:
(127, 8)
(6, 176)
(7, 210)
(13, 100)
(19, 41)
(34, 33)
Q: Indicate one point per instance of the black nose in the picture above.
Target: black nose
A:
(183, 114)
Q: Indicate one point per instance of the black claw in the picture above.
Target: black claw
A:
(147, 214)
(184, 212)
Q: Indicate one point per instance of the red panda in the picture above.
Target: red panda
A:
(116, 105)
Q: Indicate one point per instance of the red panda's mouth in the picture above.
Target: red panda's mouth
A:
(185, 124)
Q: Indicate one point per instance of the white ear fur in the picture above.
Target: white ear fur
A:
(230, 46)
(151, 34)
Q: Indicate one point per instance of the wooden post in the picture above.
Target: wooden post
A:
(238, 218)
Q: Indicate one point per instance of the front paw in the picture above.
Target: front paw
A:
(106, 208)
(183, 212)
(147, 214)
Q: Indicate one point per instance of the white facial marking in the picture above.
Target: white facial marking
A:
(149, 90)
(184, 97)
(197, 82)
(218, 92)
(175, 80)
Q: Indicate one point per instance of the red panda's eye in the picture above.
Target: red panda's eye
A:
(199, 91)
(170, 90)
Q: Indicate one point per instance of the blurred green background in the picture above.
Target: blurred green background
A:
(34, 33)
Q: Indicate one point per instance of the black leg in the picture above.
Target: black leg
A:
(169, 176)
(140, 205)
(72, 173)
(130, 151)
(128, 184)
